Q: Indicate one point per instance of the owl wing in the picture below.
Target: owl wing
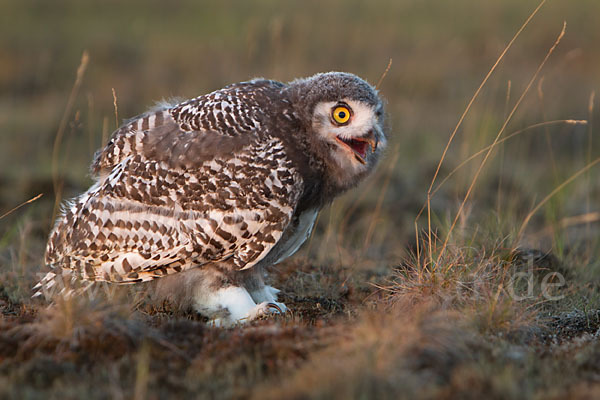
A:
(176, 199)
(234, 111)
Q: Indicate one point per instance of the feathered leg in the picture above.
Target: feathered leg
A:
(254, 283)
(217, 294)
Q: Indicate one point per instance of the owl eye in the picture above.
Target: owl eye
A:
(341, 114)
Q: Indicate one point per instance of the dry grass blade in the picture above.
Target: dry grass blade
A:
(504, 139)
(464, 114)
(551, 194)
(580, 219)
(496, 140)
(384, 74)
(487, 77)
(21, 205)
(62, 126)
(114, 93)
(587, 219)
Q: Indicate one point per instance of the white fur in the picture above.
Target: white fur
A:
(236, 300)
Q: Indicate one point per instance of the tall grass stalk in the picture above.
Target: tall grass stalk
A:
(115, 105)
(493, 145)
(552, 194)
(61, 130)
(464, 114)
(504, 139)
(21, 205)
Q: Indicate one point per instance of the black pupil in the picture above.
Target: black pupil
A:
(341, 114)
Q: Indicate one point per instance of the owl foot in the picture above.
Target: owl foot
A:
(265, 309)
(234, 305)
(268, 294)
(260, 310)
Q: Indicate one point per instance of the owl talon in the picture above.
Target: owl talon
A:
(275, 307)
(265, 309)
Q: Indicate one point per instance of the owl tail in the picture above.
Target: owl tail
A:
(63, 284)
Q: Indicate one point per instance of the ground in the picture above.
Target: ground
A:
(490, 292)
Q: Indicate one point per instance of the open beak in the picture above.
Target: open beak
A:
(360, 145)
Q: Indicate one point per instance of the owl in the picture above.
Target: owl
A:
(202, 196)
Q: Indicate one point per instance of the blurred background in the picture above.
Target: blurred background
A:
(369, 319)
(146, 51)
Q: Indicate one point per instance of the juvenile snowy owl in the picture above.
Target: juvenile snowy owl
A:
(207, 193)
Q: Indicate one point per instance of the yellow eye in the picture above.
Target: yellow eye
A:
(341, 114)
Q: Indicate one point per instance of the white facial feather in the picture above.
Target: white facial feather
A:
(363, 120)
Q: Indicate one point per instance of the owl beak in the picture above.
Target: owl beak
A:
(360, 145)
(373, 143)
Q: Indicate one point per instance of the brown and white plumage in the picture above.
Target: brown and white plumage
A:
(218, 185)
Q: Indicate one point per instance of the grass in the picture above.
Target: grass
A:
(464, 301)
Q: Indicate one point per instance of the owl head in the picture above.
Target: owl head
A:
(343, 117)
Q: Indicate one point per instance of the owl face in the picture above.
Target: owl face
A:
(342, 117)
(352, 130)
